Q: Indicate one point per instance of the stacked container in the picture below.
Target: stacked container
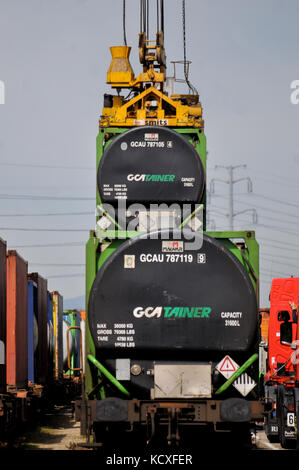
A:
(41, 311)
(16, 322)
(71, 319)
(32, 332)
(2, 315)
(50, 330)
(58, 335)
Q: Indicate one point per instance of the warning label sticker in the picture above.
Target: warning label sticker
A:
(151, 137)
(172, 246)
(244, 383)
(227, 366)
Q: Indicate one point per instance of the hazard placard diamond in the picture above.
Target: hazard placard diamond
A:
(244, 384)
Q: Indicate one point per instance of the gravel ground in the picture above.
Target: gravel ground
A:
(57, 431)
(263, 443)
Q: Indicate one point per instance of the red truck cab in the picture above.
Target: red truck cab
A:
(282, 372)
(281, 365)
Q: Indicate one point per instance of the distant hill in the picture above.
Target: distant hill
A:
(77, 303)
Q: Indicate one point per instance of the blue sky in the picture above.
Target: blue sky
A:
(53, 59)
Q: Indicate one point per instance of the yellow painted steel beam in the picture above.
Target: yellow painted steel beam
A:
(138, 111)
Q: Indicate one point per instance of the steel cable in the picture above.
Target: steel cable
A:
(124, 22)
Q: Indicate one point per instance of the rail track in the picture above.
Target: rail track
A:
(58, 431)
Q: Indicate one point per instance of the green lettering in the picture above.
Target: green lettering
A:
(167, 312)
(162, 178)
(176, 311)
(181, 312)
(148, 178)
(189, 312)
(197, 312)
(206, 312)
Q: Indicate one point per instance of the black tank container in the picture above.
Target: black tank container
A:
(151, 164)
(163, 295)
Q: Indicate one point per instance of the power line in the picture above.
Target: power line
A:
(282, 221)
(23, 229)
(279, 242)
(279, 262)
(271, 176)
(66, 275)
(258, 207)
(48, 214)
(50, 245)
(280, 177)
(57, 264)
(281, 247)
(280, 256)
(274, 228)
(38, 165)
(268, 198)
(39, 197)
(270, 272)
(271, 227)
(281, 183)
